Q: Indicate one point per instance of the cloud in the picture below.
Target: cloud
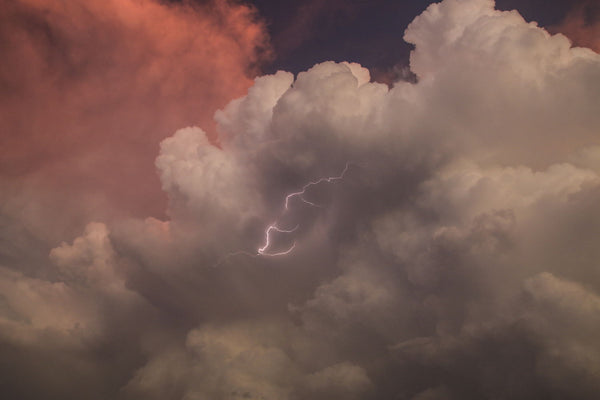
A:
(302, 23)
(456, 258)
(90, 88)
(582, 25)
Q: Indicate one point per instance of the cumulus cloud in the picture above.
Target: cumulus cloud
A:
(455, 259)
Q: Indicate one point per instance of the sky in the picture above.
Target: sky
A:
(335, 199)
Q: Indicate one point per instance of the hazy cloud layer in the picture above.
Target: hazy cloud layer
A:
(457, 257)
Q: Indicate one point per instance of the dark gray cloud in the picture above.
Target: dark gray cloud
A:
(456, 259)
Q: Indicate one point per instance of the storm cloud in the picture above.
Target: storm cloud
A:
(456, 257)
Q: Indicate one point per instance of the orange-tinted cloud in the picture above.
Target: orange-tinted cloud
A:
(582, 25)
(88, 88)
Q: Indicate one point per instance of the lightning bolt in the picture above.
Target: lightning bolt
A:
(263, 251)
(271, 228)
(300, 194)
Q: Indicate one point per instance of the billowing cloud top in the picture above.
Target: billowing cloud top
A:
(441, 239)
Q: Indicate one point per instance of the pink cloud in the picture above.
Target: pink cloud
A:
(582, 26)
(90, 88)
